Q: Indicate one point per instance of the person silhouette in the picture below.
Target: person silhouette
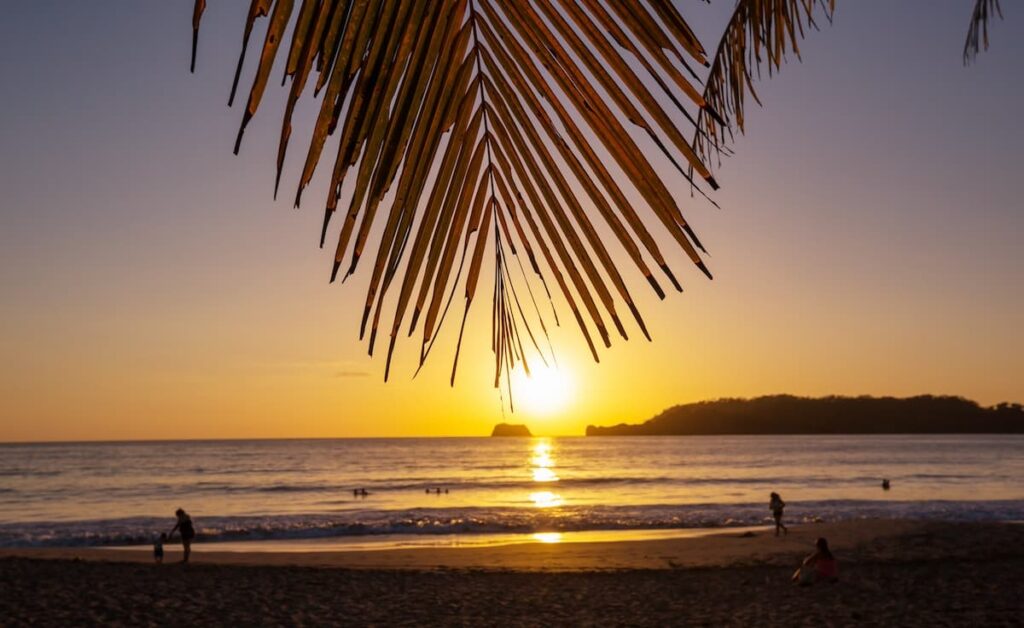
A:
(187, 530)
(776, 505)
(158, 548)
(821, 566)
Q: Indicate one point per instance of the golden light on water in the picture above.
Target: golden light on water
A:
(545, 499)
(545, 391)
(548, 537)
(544, 475)
(542, 464)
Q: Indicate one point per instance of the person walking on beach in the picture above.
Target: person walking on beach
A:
(186, 529)
(776, 505)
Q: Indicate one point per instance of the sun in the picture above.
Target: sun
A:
(545, 391)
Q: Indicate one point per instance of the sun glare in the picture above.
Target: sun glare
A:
(542, 464)
(546, 390)
(545, 499)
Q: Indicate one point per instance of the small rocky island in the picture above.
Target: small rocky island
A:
(510, 429)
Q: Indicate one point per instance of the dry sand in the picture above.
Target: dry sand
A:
(892, 573)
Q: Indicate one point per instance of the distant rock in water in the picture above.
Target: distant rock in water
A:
(508, 429)
(786, 414)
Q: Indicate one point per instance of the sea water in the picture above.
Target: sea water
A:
(106, 494)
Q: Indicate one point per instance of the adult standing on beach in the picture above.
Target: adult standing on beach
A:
(186, 529)
(776, 505)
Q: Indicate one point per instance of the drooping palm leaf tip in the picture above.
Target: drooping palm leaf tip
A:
(977, 31)
(468, 128)
(758, 36)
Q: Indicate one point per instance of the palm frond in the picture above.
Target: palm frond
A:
(197, 16)
(760, 34)
(977, 31)
(472, 130)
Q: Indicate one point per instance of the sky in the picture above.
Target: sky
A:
(868, 242)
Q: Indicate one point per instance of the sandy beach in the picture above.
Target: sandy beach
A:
(892, 573)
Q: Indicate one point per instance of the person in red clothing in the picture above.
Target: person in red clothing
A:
(821, 566)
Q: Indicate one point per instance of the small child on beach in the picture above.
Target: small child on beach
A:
(158, 547)
(776, 505)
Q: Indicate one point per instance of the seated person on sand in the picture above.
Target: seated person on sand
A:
(821, 566)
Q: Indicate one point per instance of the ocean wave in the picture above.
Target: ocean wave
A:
(28, 473)
(496, 484)
(142, 530)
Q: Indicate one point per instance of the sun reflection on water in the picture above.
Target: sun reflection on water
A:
(548, 537)
(542, 462)
(542, 465)
(544, 475)
(545, 499)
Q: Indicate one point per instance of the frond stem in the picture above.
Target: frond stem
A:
(483, 93)
(499, 253)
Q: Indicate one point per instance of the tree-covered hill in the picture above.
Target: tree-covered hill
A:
(787, 414)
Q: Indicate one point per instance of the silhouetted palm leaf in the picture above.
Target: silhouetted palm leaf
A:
(468, 126)
(760, 34)
(977, 32)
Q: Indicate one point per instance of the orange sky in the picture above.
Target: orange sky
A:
(868, 244)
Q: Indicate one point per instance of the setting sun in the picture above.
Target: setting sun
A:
(546, 390)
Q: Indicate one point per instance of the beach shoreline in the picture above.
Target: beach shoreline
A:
(891, 573)
(612, 550)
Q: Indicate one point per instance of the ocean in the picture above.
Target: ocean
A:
(125, 493)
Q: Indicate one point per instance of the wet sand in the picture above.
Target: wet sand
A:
(892, 573)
